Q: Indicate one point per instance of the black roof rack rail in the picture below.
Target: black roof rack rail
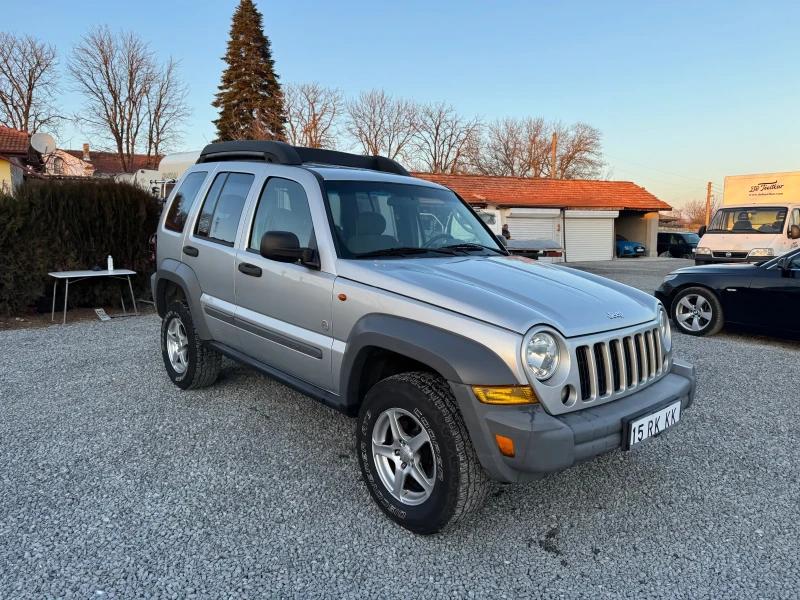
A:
(284, 154)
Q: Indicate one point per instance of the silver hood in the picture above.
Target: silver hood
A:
(510, 292)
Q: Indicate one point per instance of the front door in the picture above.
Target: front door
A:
(775, 297)
(283, 311)
(209, 248)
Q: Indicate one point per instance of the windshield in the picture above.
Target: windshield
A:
(373, 218)
(750, 219)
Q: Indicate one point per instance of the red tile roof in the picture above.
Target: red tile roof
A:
(13, 141)
(549, 193)
(108, 162)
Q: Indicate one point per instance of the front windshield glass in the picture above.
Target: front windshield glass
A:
(751, 219)
(691, 238)
(373, 218)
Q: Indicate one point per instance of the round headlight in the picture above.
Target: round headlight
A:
(542, 355)
(666, 332)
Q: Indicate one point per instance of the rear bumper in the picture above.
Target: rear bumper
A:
(547, 444)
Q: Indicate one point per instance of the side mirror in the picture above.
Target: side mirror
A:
(501, 239)
(702, 231)
(283, 246)
(784, 263)
(794, 232)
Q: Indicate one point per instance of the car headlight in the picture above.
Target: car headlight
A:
(542, 355)
(666, 331)
(761, 252)
(670, 277)
(702, 250)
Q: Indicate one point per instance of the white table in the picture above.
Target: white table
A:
(76, 276)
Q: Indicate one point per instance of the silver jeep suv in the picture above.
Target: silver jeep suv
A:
(387, 298)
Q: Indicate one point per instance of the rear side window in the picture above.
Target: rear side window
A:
(183, 201)
(222, 208)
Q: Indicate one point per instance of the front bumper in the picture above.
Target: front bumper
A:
(548, 444)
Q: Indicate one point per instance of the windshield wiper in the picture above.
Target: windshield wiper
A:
(403, 251)
(470, 247)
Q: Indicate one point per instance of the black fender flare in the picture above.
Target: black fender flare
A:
(456, 358)
(181, 274)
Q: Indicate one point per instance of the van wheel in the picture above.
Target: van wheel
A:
(189, 363)
(416, 456)
(697, 311)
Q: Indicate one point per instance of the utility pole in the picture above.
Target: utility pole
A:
(708, 204)
(553, 163)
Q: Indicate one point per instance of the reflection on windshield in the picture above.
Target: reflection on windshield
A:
(373, 218)
(748, 220)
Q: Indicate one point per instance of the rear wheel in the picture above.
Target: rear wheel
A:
(415, 453)
(697, 311)
(687, 256)
(189, 363)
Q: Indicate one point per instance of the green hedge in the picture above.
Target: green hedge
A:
(54, 225)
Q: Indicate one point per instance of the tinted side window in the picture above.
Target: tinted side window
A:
(283, 206)
(222, 208)
(183, 201)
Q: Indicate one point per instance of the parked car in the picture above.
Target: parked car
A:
(759, 297)
(625, 247)
(462, 364)
(677, 244)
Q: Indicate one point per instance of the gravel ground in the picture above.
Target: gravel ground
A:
(115, 484)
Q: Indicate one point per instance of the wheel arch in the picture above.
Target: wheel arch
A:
(382, 345)
(175, 280)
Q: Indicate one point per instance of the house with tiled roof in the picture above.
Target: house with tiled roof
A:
(108, 164)
(583, 216)
(15, 152)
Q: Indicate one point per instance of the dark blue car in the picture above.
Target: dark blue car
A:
(627, 248)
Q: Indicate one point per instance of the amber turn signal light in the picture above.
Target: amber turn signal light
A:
(509, 394)
(506, 445)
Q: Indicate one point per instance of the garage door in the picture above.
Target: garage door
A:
(589, 239)
(527, 228)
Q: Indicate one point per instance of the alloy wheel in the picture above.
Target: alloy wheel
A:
(404, 456)
(177, 345)
(694, 312)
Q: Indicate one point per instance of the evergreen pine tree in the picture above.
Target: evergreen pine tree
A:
(250, 98)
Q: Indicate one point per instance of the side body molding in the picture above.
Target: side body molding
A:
(184, 276)
(455, 357)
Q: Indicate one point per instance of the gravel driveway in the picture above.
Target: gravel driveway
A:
(115, 484)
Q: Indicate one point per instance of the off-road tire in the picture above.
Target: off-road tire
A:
(717, 320)
(461, 484)
(204, 364)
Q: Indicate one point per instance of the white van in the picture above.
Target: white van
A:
(759, 219)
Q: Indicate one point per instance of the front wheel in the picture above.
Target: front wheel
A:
(665, 255)
(697, 311)
(415, 453)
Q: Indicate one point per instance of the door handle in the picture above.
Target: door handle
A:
(249, 269)
(190, 251)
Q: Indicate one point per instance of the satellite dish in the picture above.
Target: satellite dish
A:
(43, 143)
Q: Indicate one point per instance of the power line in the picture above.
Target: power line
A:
(654, 169)
(691, 187)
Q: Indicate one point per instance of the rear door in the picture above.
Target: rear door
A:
(284, 309)
(210, 245)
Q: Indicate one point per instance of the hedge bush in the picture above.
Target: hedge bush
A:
(52, 225)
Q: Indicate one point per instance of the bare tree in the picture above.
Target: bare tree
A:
(167, 109)
(444, 138)
(693, 213)
(501, 151)
(579, 152)
(313, 113)
(523, 148)
(380, 124)
(28, 84)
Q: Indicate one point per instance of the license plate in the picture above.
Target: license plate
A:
(651, 425)
(640, 250)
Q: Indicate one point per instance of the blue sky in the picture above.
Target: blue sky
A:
(684, 92)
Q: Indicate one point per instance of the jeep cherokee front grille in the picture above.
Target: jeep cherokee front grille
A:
(618, 365)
